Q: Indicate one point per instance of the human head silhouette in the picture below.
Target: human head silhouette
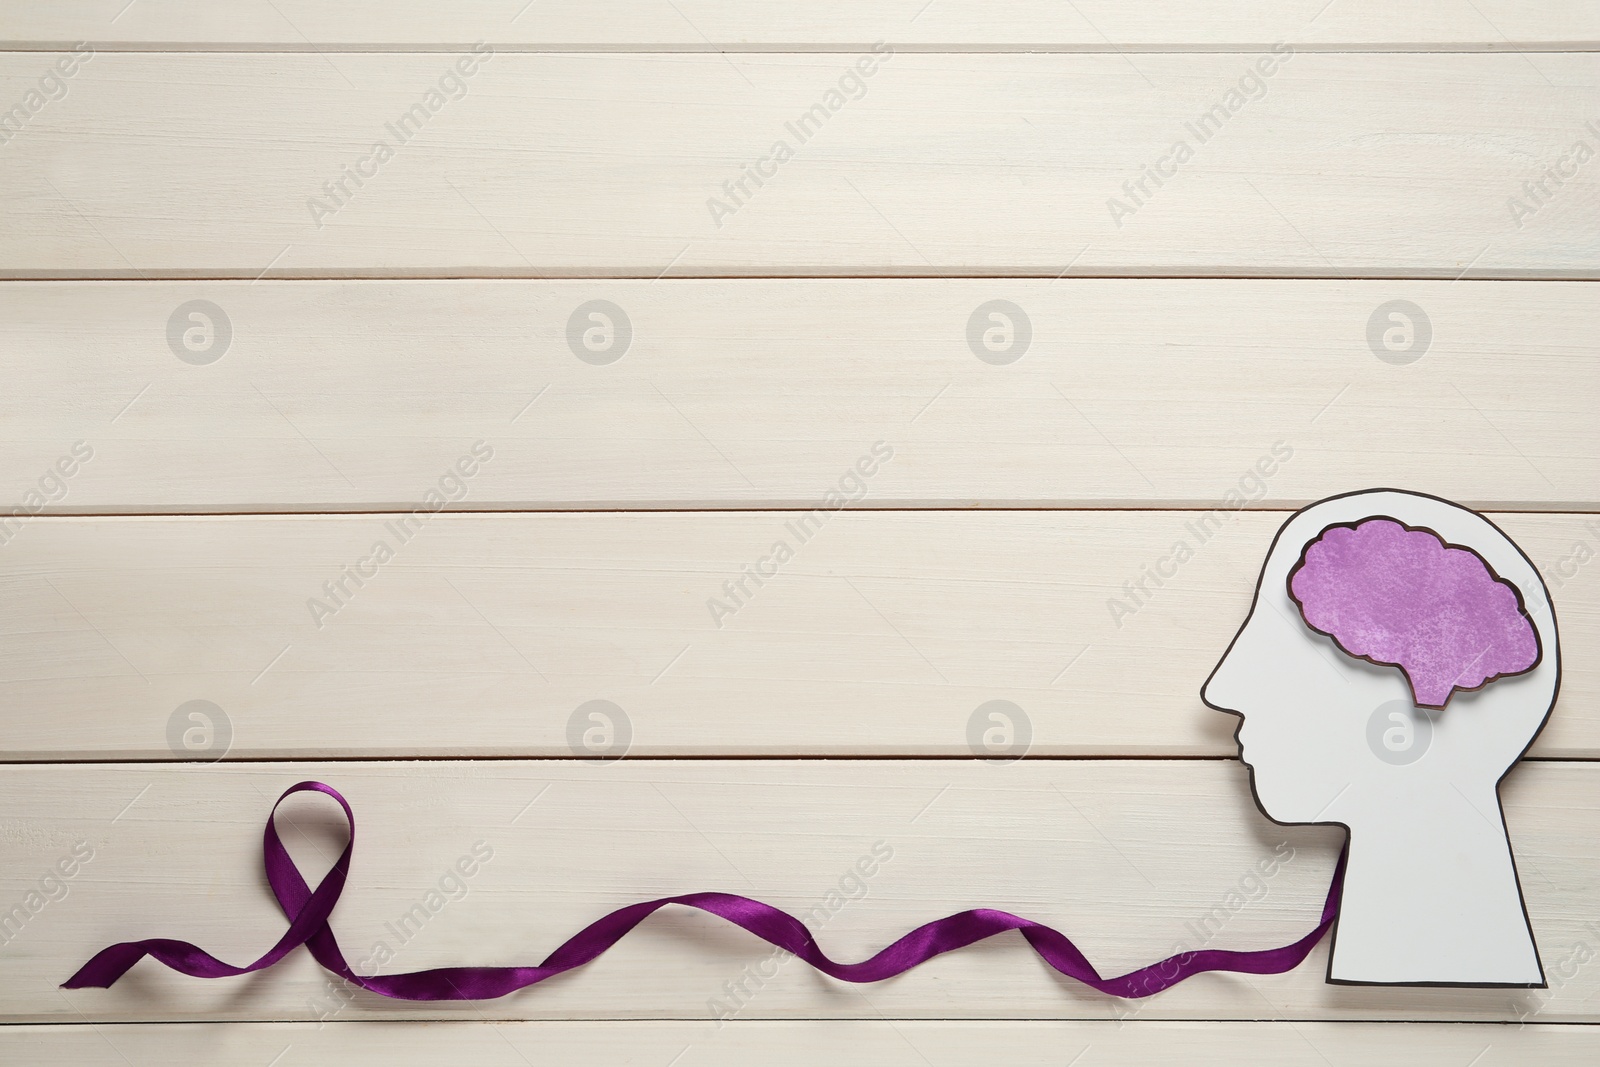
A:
(1407, 758)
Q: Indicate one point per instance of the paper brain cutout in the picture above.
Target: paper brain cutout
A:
(1402, 597)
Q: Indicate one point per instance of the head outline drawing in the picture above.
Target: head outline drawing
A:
(1304, 746)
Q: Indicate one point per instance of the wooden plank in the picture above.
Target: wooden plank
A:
(763, 393)
(490, 634)
(205, 165)
(911, 1043)
(1126, 855)
(1038, 25)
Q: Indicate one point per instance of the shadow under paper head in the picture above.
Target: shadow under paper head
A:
(1400, 596)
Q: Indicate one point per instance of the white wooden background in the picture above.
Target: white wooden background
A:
(1211, 349)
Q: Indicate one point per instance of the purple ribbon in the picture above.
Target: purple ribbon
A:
(308, 911)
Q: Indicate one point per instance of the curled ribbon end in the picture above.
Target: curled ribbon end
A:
(107, 966)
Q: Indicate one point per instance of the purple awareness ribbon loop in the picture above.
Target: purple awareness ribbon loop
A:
(308, 911)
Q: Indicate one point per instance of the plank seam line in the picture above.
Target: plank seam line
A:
(1452, 48)
(687, 1020)
(646, 508)
(1524, 276)
(138, 761)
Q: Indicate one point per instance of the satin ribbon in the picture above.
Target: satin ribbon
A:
(307, 911)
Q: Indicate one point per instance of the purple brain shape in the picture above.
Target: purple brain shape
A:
(1404, 598)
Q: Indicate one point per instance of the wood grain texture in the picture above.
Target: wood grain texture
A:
(168, 522)
(200, 165)
(484, 634)
(1085, 25)
(763, 393)
(1126, 855)
(910, 1043)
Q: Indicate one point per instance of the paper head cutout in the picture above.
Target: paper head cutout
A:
(1402, 597)
(1426, 892)
(1333, 733)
